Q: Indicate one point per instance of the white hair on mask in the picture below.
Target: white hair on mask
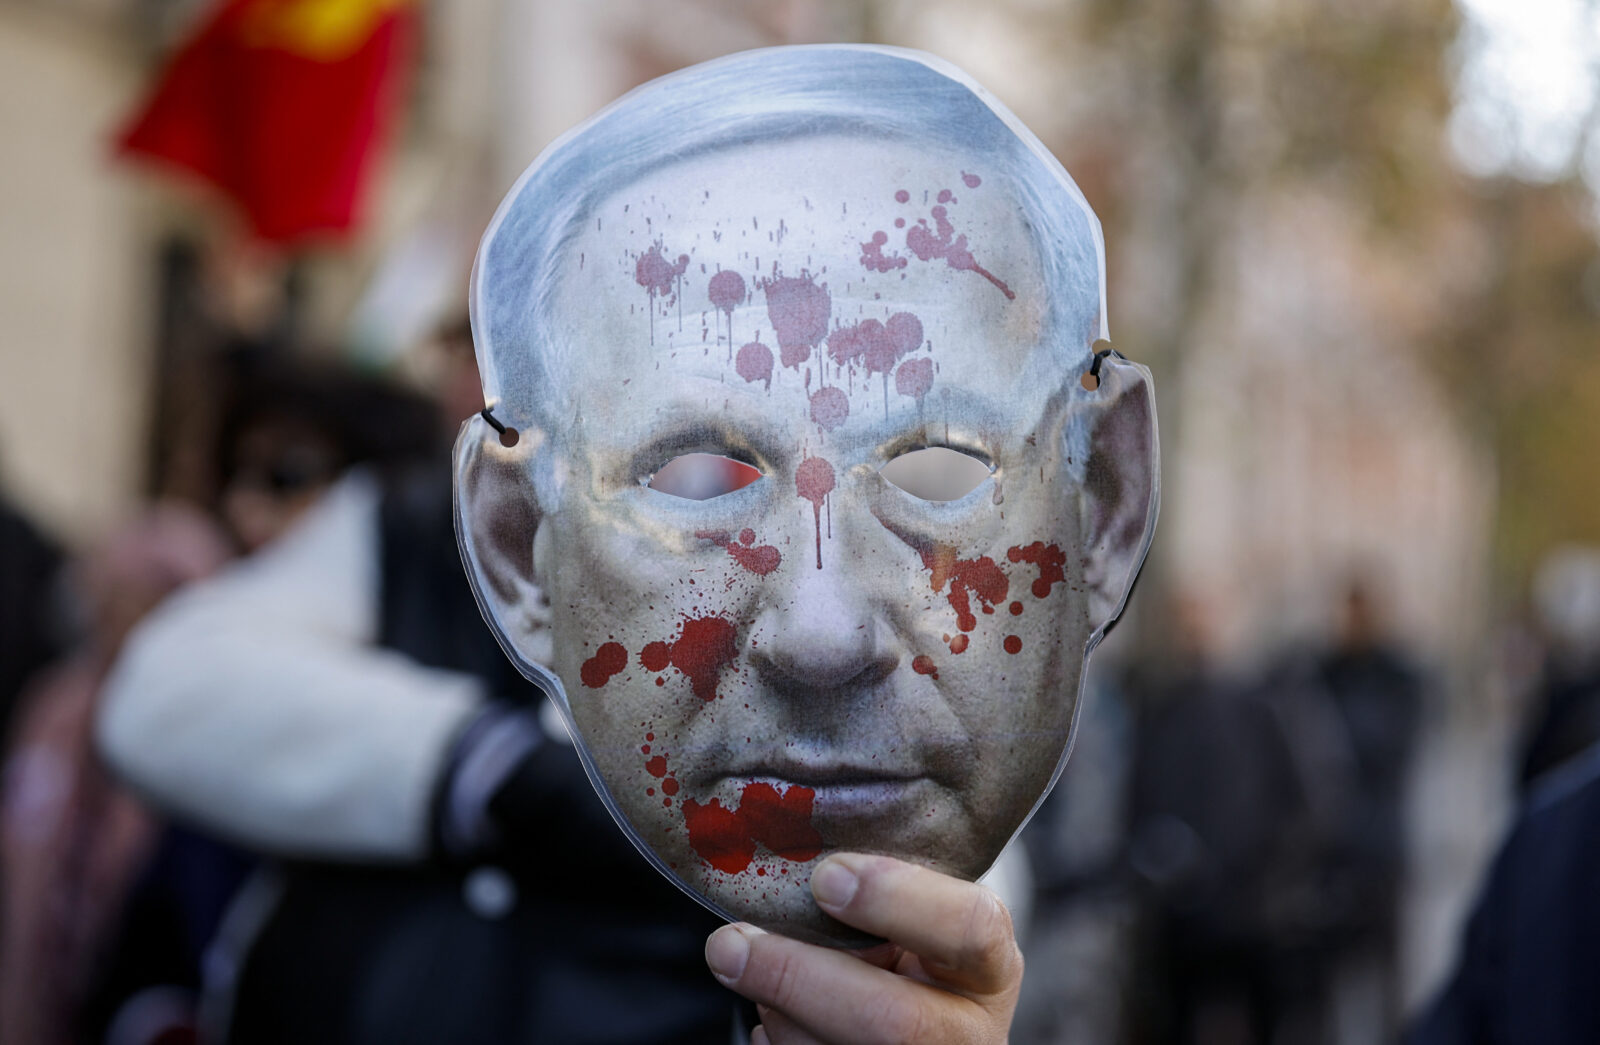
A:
(876, 93)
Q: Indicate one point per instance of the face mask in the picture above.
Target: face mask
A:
(805, 513)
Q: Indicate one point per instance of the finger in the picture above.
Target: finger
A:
(960, 931)
(778, 1029)
(834, 996)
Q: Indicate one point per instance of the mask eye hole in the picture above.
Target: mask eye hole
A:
(700, 477)
(936, 473)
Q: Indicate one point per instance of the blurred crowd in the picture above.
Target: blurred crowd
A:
(1225, 860)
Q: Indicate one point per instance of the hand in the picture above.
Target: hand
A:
(949, 973)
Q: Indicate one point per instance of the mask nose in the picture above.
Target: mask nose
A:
(819, 632)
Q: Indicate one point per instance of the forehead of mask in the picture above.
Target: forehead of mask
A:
(818, 660)
(853, 288)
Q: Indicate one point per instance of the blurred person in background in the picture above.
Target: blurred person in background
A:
(1564, 714)
(443, 870)
(1377, 694)
(30, 563)
(72, 841)
(1228, 844)
(1526, 971)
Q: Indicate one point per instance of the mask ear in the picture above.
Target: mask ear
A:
(1122, 487)
(497, 522)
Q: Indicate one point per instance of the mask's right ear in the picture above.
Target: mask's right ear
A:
(497, 522)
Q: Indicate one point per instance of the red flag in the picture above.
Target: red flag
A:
(283, 105)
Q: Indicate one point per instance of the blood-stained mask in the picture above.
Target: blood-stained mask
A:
(808, 509)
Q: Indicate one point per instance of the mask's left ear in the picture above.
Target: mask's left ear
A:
(1122, 486)
(497, 519)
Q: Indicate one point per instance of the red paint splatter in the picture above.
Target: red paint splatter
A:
(656, 274)
(606, 662)
(1051, 561)
(972, 180)
(927, 245)
(945, 196)
(905, 333)
(979, 577)
(706, 647)
(1016, 609)
(727, 291)
(873, 257)
(656, 767)
(755, 363)
(760, 561)
(656, 656)
(727, 838)
(798, 310)
(813, 480)
(902, 196)
(899, 223)
(1013, 644)
(923, 664)
(747, 536)
(829, 407)
(959, 644)
(914, 378)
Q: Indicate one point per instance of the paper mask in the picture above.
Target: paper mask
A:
(809, 521)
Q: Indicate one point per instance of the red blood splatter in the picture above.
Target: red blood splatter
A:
(727, 838)
(755, 363)
(1013, 644)
(905, 333)
(760, 561)
(649, 736)
(1016, 609)
(656, 656)
(727, 291)
(914, 378)
(959, 644)
(656, 767)
(945, 196)
(902, 196)
(967, 577)
(877, 346)
(1051, 561)
(798, 310)
(669, 786)
(706, 647)
(813, 480)
(747, 536)
(923, 664)
(718, 835)
(829, 407)
(606, 662)
(899, 223)
(972, 180)
(980, 577)
(927, 245)
(873, 257)
(656, 274)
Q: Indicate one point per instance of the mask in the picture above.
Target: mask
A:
(809, 519)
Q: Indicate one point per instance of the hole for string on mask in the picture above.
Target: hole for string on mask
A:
(700, 477)
(936, 473)
(1091, 379)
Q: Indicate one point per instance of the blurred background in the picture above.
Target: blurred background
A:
(1355, 242)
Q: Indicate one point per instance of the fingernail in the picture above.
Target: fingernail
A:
(727, 950)
(833, 884)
